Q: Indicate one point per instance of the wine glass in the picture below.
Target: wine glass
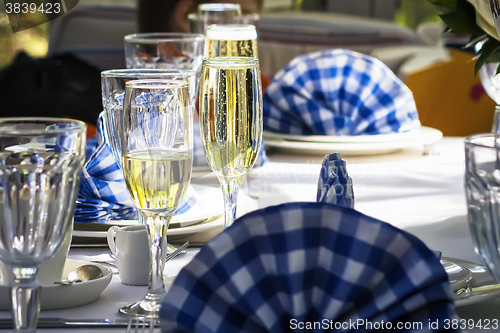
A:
(157, 156)
(231, 122)
(231, 40)
(213, 13)
(113, 93)
(41, 160)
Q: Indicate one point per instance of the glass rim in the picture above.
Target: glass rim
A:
(470, 140)
(231, 32)
(231, 61)
(158, 37)
(157, 83)
(130, 72)
(256, 17)
(218, 7)
(79, 125)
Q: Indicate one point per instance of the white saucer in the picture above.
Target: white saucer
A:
(480, 278)
(55, 297)
(351, 147)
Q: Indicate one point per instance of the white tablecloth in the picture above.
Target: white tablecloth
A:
(422, 194)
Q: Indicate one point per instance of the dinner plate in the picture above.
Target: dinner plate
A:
(364, 146)
(208, 224)
(484, 286)
(55, 297)
(210, 203)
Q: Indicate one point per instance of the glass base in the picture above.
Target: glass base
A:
(144, 308)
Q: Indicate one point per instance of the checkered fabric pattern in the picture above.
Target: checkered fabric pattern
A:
(308, 262)
(103, 194)
(338, 92)
(334, 184)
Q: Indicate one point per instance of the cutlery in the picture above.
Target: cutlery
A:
(470, 291)
(73, 323)
(140, 325)
(179, 250)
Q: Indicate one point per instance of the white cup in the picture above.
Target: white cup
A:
(131, 249)
(49, 271)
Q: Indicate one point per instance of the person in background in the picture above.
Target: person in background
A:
(172, 15)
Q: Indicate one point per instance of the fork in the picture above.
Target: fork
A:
(140, 325)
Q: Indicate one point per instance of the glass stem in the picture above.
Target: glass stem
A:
(25, 294)
(156, 226)
(230, 188)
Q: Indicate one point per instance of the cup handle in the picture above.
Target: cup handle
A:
(111, 238)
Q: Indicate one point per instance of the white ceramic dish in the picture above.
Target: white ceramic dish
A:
(392, 137)
(210, 203)
(480, 278)
(55, 297)
(192, 229)
(426, 136)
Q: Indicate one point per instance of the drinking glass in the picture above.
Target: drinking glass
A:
(213, 13)
(113, 92)
(231, 122)
(41, 160)
(157, 155)
(231, 40)
(482, 187)
(164, 50)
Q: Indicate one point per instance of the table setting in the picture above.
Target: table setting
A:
(207, 204)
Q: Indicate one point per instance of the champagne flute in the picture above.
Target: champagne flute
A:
(157, 156)
(213, 13)
(231, 122)
(231, 40)
(41, 160)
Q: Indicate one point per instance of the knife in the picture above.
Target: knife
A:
(77, 323)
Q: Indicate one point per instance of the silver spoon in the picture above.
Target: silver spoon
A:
(82, 274)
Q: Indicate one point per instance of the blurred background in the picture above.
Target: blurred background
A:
(406, 13)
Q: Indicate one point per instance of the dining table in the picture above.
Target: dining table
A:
(419, 189)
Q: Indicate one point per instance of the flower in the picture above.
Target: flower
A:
(474, 18)
(484, 18)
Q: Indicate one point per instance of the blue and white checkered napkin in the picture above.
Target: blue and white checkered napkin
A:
(338, 92)
(284, 266)
(103, 194)
(334, 184)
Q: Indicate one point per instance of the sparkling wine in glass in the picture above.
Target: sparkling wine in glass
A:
(157, 155)
(41, 160)
(231, 122)
(231, 40)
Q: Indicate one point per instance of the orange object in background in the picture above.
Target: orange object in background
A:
(450, 98)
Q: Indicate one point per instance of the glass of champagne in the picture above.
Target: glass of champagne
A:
(231, 121)
(231, 40)
(157, 155)
(41, 160)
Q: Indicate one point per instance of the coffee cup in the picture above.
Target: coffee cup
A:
(131, 249)
(49, 271)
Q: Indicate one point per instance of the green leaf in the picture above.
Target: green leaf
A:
(463, 19)
(490, 49)
(474, 40)
(444, 3)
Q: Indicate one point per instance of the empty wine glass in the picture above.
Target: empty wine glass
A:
(231, 121)
(213, 13)
(113, 93)
(157, 155)
(41, 160)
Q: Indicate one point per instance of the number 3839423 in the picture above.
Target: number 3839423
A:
(26, 7)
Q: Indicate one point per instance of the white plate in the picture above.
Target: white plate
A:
(210, 203)
(343, 138)
(480, 278)
(55, 297)
(192, 229)
(425, 136)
